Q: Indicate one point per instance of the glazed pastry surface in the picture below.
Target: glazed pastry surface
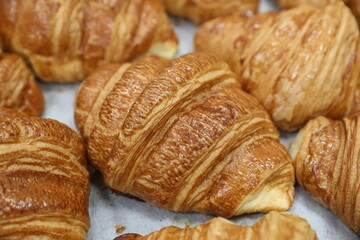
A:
(44, 180)
(327, 163)
(200, 11)
(182, 135)
(18, 88)
(66, 40)
(299, 63)
(273, 226)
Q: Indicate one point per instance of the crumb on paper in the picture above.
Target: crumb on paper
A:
(110, 204)
(186, 223)
(60, 90)
(119, 228)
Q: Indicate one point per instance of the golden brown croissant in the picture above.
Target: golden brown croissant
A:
(273, 226)
(354, 5)
(202, 10)
(44, 181)
(182, 135)
(18, 88)
(299, 63)
(66, 40)
(327, 163)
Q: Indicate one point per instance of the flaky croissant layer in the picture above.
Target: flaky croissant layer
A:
(66, 40)
(182, 135)
(327, 162)
(18, 88)
(273, 226)
(354, 5)
(200, 11)
(44, 181)
(300, 63)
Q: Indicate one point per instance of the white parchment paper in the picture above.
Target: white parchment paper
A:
(108, 209)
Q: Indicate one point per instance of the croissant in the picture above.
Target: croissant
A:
(44, 181)
(299, 63)
(18, 88)
(200, 11)
(352, 4)
(66, 40)
(182, 135)
(327, 163)
(273, 226)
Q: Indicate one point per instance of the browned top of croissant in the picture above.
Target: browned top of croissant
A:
(327, 163)
(299, 63)
(66, 40)
(352, 4)
(273, 226)
(182, 135)
(44, 181)
(18, 89)
(200, 11)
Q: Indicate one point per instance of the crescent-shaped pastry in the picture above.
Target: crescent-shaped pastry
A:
(18, 88)
(327, 163)
(273, 226)
(65, 40)
(299, 63)
(44, 181)
(182, 135)
(200, 11)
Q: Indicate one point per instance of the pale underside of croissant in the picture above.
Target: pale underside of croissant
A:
(182, 135)
(202, 10)
(327, 164)
(299, 63)
(18, 88)
(353, 4)
(44, 181)
(273, 226)
(66, 40)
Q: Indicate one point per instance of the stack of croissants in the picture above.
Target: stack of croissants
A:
(193, 134)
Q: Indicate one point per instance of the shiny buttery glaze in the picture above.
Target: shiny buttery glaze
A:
(182, 135)
(66, 40)
(18, 89)
(44, 181)
(200, 11)
(327, 164)
(299, 63)
(273, 226)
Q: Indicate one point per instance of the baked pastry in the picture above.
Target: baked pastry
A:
(299, 63)
(182, 135)
(327, 163)
(352, 4)
(18, 88)
(200, 11)
(66, 40)
(44, 181)
(273, 226)
(356, 103)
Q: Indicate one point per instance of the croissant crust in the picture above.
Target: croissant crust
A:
(66, 40)
(299, 63)
(44, 181)
(327, 163)
(352, 4)
(18, 88)
(182, 135)
(200, 11)
(273, 226)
